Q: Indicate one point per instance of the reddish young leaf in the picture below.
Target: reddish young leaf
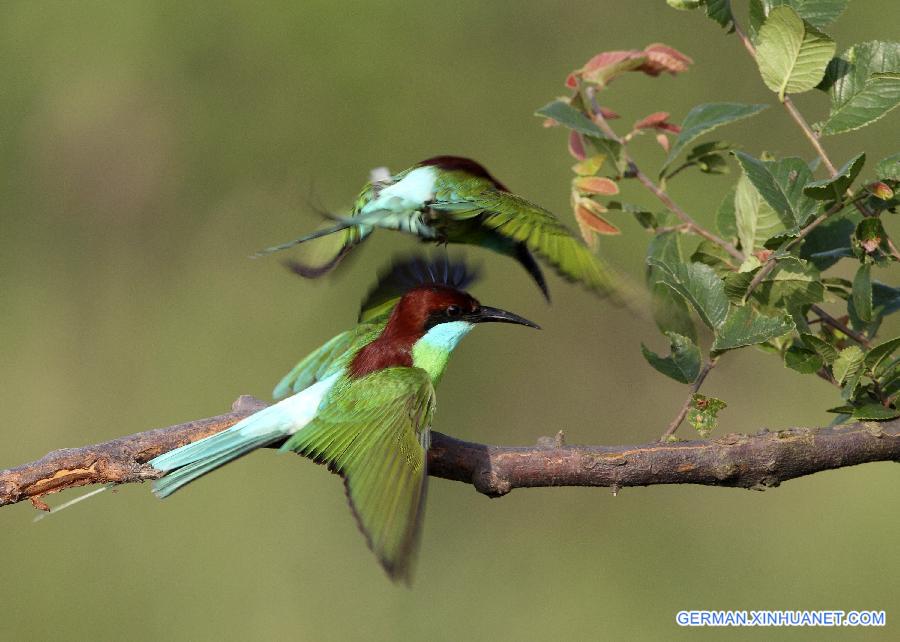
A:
(882, 190)
(662, 58)
(663, 141)
(608, 114)
(606, 66)
(602, 68)
(658, 120)
(589, 219)
(596, 185)
(576, 146)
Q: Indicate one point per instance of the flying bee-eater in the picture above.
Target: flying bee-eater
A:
(362, 404)
(449, 199)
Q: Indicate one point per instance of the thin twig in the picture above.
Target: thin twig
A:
(692, 225)
(893, 248)
(825, 373)
(809, 133)
(837, 325)
(744, 39)
(684, 227)
(682, 413)
(656, 190)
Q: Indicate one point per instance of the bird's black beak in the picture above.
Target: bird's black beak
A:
(486, 314)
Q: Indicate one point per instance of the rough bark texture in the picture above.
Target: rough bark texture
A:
(757, 462)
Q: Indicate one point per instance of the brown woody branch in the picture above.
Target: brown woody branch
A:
(756, 462)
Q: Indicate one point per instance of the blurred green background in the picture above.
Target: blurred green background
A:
(146, 148)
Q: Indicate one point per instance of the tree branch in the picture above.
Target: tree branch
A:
(756, 462)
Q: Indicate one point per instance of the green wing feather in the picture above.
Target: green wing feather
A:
(515, 218)
(313, 367)
(326, 359)
(374, 431)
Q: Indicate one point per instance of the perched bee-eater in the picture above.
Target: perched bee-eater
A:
(362, 403)
(448, 199)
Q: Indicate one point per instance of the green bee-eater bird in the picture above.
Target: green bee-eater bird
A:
(362, 403)
(448, 199)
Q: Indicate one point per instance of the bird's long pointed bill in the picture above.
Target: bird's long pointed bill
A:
(486, 314)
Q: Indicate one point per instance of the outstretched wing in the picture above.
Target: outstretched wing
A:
(324, 360)
(374, 432)
(517, 219)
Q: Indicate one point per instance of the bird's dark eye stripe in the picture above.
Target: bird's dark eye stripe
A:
(453, 310)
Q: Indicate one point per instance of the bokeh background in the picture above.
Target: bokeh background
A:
(147, 148)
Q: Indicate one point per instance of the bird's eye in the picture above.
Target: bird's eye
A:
(453, 311)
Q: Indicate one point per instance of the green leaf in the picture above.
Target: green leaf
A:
(885, 299)
(720, 11)
(792, 54)
(708, 159)
(745, 327)
(849, 364)
(833, 189)
(682, 365)
(684, 5)
(824, 349)
(726, 223)
(818, 13)
(862, 293)
(755, 220)
(736, 284)
(705, 118)
(568, 116)
(888, 168)
(781, 184)
(700, 286)
(874, 412)
(703, 413)
(830, 241)
(792, 282)
(644, 217)
(890, 379)
(864, 84)
(670, 310)
(714, 256)
(803, 360)
(879, 353)
(705, 149)
(610, 148)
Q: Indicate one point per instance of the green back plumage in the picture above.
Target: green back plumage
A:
(374, 431)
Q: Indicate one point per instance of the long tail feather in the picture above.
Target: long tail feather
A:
(179, 477)
(269, 425)
(343, 225)
(315, 271)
